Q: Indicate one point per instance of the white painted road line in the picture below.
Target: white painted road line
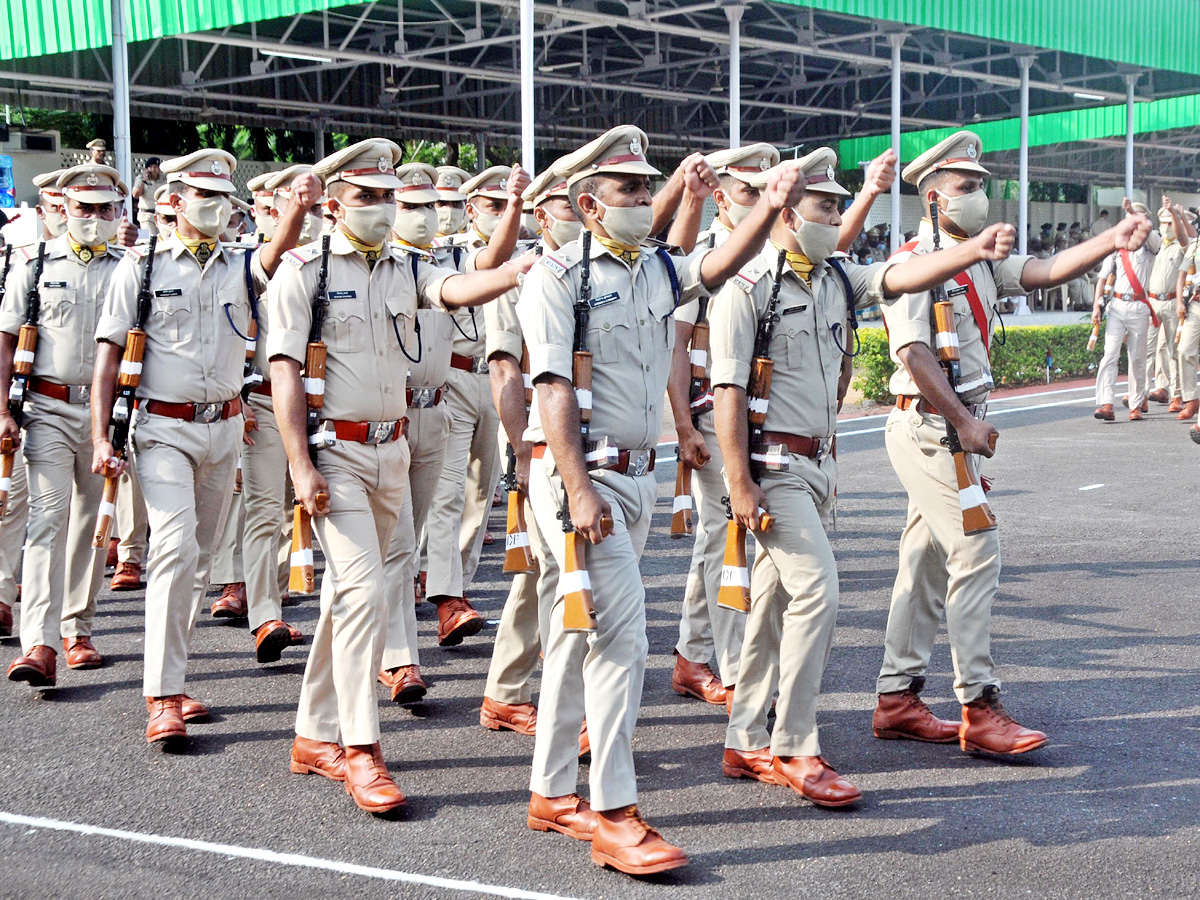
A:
(991, 414)
(270, 856)
(1091, 487)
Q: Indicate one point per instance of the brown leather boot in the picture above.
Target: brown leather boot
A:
(270, 640)
(754, 764)
(1158, 396)
(80, 654)
(631, 846)
(193, 710)
(1188, 410)
(166, 720)
(815, 780)
(1194, 434)
(405, 683)
(368, 781)
(318, 758)
(295, 635)
(232, 602)
(569, 815)
(1135, 415)
(36, 667)
(987, 728)
(518, 717)
(697, 680)
(1104, 413)
(585, 742)
(457, 619)
(903, 715)
(1176, 404)
(128, 577)
(110, 558)
(6, 620)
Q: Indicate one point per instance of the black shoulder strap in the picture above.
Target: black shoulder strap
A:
(251, 295)
(845, 279)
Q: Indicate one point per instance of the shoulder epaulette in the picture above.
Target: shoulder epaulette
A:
(750, 274)
(28, 252)
(306, 253)
(418, 252)
(560, 261)
(137, 251)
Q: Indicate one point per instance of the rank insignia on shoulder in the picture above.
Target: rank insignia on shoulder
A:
(746, 279)
(556, 266)
(298, 256)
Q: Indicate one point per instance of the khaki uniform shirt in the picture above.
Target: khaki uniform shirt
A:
(1142, 261)
(1166, 268)
(804, 343)
(193, 352)
(909, 318)
(72, 297)
(504, 333)
(630, 333)
(369, 313)
(145, 203)
(437, 333)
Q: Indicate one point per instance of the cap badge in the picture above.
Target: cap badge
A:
(829, 173)
(635, 147)
(384, 164)
(971, 151)
(416, 179)
(92, 180)
(216, 167)
(763, 164)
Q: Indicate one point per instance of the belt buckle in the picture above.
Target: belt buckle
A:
(79, 393)
(382, 432)
(824, 448)
(639, 464)
(423, 397)
(207, 413)
(479, 365)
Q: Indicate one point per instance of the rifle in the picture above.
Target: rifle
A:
(699, 402)
(734, 592)
(1189, 290)
(517, 555)
(579, 610)
(302, 577)
(1105, 296)
(977, 515)
(129, 376)
(8, 447)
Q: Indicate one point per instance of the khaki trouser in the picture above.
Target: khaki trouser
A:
(366, 491)
(186, 470)
(227, 566)
(268, 512)
(614, 664)
(793, 610)
(704, 627)
(1161, 364)
(1121, 318)
(12, 533)
(62, 572)
(427, 430)
(1189, 352)
(941, 569)
(130, 522)
(463, 498)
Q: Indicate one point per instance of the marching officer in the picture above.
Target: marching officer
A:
(451, 203)
(356, 489)
(62, 571)
(630, 332)
(188, 424)
(1187, 311)
(1162, 366)
(941, 568)
(145, 187)
(264, 202)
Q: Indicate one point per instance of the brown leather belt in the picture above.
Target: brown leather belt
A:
(264, 389)
(795, 443)
(67, 393)
(428, 397)
(194, 412)
(1167, 296)
(476, 364)
(369, 432)
(623, 460)
(903, 402)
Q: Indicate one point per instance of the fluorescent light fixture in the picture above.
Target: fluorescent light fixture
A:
(1083, 95)
(546, 70)
(307, 57)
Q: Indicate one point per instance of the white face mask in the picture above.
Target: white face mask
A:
(370, 224)
(165, 229)
(817, 241)
(208, 215)
(230, 234)
(563, 231)
(450, 219)
(416, 226)
(968, 211)
(629, 225)
(735, 212)
(266, 225)
(91, 232)
(1168, 232)
(311, 229)
(56, 222)
(485, 224)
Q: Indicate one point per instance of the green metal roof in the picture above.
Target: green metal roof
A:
(38, 27)
(1049, 128)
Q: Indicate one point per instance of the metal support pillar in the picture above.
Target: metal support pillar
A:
(1023, 174)
(734, 14)
(1130, 81)
(897, 41)
(527, 95)
(120, 74)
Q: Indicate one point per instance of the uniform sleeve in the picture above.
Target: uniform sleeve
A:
(691, 285)
(866, 282)
(430, 278)
(1154, 241)
(1107, 267)
(906, 318)
(688, 313)
(120, 305)
(258, 274)
(733, 318)
(16, 291)
(547, 321)
(503, 327)
(468, 262)
(289, 309)
(1008, 276)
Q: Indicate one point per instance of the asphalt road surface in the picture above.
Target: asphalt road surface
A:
(1095, 633)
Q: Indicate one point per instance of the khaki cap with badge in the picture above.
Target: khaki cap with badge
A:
(417, 183)
(281, 182)
(91, 184)
(257, 185)
(449, 183)
(208, 170)
(619, 151)
(162, 202)
(549, 184)
(747, 164)
(47, 185)
(96, 144)
(491, 182)
(820, 170)
(960, 152)
(370, 164)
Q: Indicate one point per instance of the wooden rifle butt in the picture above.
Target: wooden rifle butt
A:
(977, 514)
(766, 521)
(758, 391)
(581, 376)
(735, 577)
(106, 512)
(518, 558)
(1179, 330)
(314, 374)
(130, 372)
(27, 339)
(302, 578)
(946, 339)
(237, 481)
(8, 452)
(579, 608)
(1093, 337)
(698, 355)
(525, 376)
(251, 343)
(681, 511)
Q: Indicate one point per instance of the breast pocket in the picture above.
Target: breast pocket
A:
(610, 340)
(796, 331)
(347, 320)
(171, 317)
(401, 328)
(58, 306)
(661, 320)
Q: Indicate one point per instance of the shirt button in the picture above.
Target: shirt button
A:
(376, 315)
(647, 368)
(641, 321)
(208, 340)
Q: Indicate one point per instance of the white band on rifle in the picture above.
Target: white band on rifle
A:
(314, 387)
(528, 379)
(516, 540)
(251, 345)
(575, 582)
(757, 404)
(984, 380)
(107, 509)
(735, 576)
(23, 356)
(699, 358)
(583, 398)
(302, 557)
(129, 367)
(970, 497)
(946, 339)
(682, 502)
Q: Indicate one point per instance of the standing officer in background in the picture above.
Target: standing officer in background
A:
(98, 150)
(1187, 311)
(471, 467)
(145, 186)
(188, 424)
(630, 331)
(356, 490)
(1162, 366)
(1127, 313)
(941, 568)
(263, 199)
(62, 571)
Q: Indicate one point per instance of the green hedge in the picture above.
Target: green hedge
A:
(1020, 360)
